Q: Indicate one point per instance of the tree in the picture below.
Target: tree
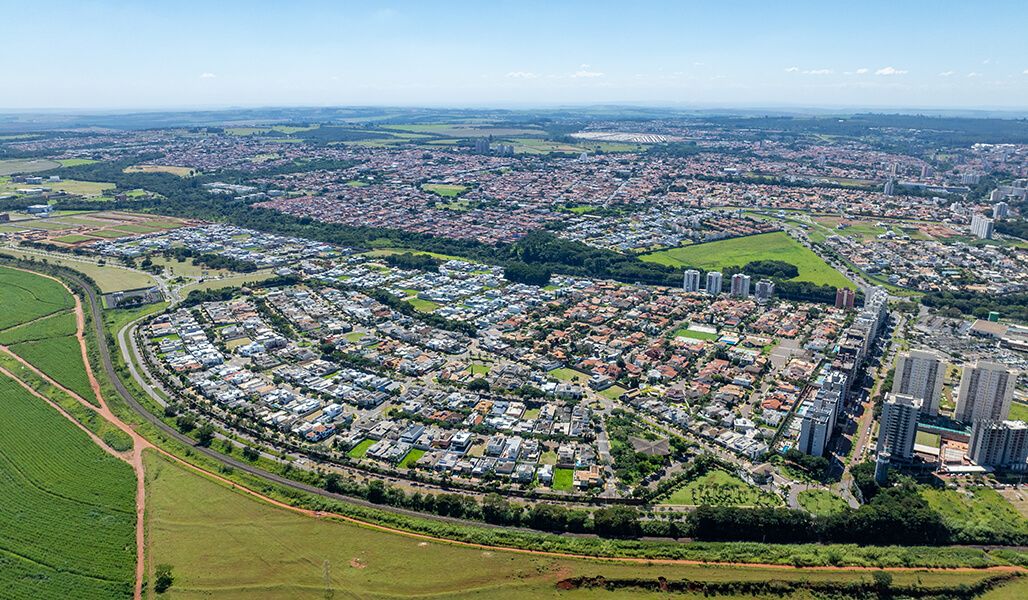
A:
(162, 578)
(205, 434)
(617, 521)
(478, 384)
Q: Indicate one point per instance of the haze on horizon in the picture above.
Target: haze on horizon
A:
(109, 54)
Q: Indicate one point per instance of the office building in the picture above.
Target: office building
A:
(898, 426)
(765, 289)
(982, 226)
(920, 373)
(714, 282)
(691, 281)
(986, 390)
(999, 444)
(740, 285)
(845, 298)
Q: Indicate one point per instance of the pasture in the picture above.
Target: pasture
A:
(67, 507)
(109, 278)
(717, 488)
(736, 252)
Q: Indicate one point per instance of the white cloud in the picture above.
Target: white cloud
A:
(584, 74)
(793, 70)
(862, 71)
(890, 71)
(818, 72)
(973, 74)
(947, 74)
(207, 75)
(522, 75)
(1025, 72)
(986, 61)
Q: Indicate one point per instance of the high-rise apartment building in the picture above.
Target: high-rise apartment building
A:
(920, 373)
(986, 391)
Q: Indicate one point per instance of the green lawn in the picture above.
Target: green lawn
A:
(982, 508)
(565, 374)
(736, 252)
(444, 189)
(361, 449)
(563, 479)
(73, 239)
(425, 306)
(927, 439)
(717, 488)
(1018, 411)
(613, 392)
(411, 458)
(821, 502)
(698, 335)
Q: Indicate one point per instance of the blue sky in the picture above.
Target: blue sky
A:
(168, 54)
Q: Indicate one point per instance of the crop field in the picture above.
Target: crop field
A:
(180, 171)
(67, 507)
(821, 502)
(739, 251)
(56, 325)
(61, 359)
(25, 297)
(463, 130)
(26, 165)
(718, 488)
(211, 534)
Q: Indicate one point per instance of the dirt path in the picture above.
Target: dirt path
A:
(134, 457)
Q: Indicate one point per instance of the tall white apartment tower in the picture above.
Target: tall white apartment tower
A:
(714, 282)
(986, 390)
(899, 426)
(920, 373)
(691, 281)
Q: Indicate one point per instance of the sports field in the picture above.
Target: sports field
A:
(445, 190)
(739, 251)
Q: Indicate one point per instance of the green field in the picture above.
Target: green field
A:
(61, 359)
(26, 165)
(979, 509)
(425, 306)
(361, 449)
(821, 502)
(109, 278)
(75, 162)
(25, 297)
(1018, 411)
(221, 543)
(739, 251)
(927, 439)
(570, 375)
(563, 479)
(67, 508)
(412, 457)
(696, 335)
(56, 325)
(717, 488)
(444, 189)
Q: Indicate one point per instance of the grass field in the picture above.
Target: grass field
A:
(180, 171)
(718, 488)
(927, 439)
(26, 165)
(67, 508)
(821, 502)
(361, 449)
(425, 306)
(75, 162)
(73, 239)
(565, 374)
(445, 190)
(380, 252)
(739, 251)
(696, 335)
(25, 297)
(563, 479)
(982, 508)
(224, 544)
(56, 325)
(412, 457)
(231, 281)
(108, 277)
(1018, 411)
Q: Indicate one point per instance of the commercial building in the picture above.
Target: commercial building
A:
(920, 373)
(691, 281)
(898, 426)
(714, 282)
(740, 285)
(999, 444)
(986, 391)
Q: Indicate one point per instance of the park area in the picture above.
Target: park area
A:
(737, 252)
(718, 488)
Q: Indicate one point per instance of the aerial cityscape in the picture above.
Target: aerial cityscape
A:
(694, 318)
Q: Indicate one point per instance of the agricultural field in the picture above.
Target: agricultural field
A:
(56, 325)
(739, 251)
(717, 488)
(25, 297)
(456, 130)
(180, 171)
(821, 502)
(209, 534)
(67, 507)
(70, 186)
(61, 359)
(26, 165)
